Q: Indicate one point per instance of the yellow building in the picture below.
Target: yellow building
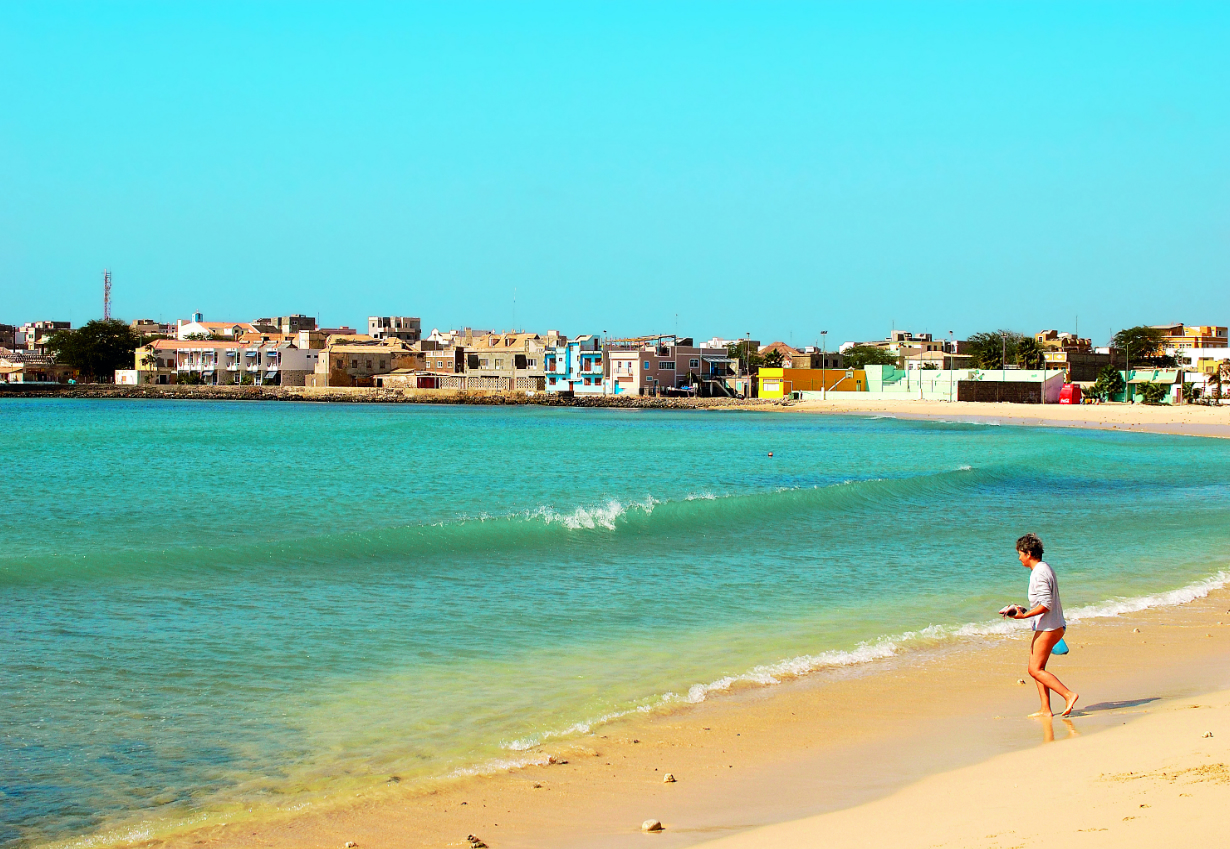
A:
(1182, 336)
(780, 382)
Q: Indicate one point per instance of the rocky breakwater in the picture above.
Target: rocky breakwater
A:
(367, 395)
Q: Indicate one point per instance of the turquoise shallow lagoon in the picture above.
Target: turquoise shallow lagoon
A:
(213, 606)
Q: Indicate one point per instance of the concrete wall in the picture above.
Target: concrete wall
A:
(891, 383)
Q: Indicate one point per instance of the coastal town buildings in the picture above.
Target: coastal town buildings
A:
(147, 328)
(357, 361)
(406, 328)
(34, 333)
(26, 366)
(1178, 336)
(219, 362)
(784, 382)
(654, 365)
(575, 366)
(1055, 340)
(802, 358)
(285, 324)
(506, 362)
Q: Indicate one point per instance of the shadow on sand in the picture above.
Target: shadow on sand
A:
(1123, 703)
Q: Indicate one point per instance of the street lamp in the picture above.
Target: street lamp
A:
(1003, 361)
(952, 349)
(824, 348)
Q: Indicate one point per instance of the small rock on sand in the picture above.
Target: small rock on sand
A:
(1135, 630)
(651, 825)
(669, 778)
(1020, 680)
(350, 844)
(475, 842)
(1208, 734)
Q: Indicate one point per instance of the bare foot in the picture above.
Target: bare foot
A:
(1040, 713)
(1067, 709)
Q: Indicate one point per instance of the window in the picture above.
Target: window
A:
(668, 365)
(354, 363)
(647, 365)
(530, 362)
(499, 362)
(694, 363)
(482, 363)
(382, 365)
(369, 365)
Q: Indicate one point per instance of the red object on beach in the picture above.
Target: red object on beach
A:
(770, 453)
(1070, 394)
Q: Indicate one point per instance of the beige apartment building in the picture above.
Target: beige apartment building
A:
(504, 362)
(357, 361)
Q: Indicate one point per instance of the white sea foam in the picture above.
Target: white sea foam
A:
(598, 516)
(869, 652)
(491, 767)
(1119, 606)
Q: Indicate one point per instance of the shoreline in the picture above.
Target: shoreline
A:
(762, 755)
(1183, 420)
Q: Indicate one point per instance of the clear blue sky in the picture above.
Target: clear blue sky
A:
(773, 168)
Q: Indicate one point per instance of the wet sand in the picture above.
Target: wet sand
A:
(832, 741)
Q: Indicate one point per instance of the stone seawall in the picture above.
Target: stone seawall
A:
(346, 394)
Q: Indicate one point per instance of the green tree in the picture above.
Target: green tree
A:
(746, 354)
(1029, 354)
(988, 348)
(1109, 384)
(1141, 343)
(774, 359)
(861, 356)
(97, 349)
(1152, 393)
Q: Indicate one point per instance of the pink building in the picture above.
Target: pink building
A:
(652, 365)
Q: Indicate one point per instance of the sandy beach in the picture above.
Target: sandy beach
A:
(920, 748)
(1183, 420)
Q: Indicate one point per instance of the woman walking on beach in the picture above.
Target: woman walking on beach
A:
(1046, 611)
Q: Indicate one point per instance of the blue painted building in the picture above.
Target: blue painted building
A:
(575, 366)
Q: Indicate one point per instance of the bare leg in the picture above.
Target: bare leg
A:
(1039, 654)
(1044, 692)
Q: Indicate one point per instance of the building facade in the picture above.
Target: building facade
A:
(575, 367)
(783, 382)
(403, 327)
(357, 362)
(215, 362)
(653, 365)
(1179, 337)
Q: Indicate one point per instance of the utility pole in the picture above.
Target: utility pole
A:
(106, 295)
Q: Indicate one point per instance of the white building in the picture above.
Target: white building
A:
(197, 327)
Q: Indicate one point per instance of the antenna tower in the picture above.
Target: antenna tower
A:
(106, 295)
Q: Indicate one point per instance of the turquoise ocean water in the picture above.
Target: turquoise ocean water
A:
(209, 607)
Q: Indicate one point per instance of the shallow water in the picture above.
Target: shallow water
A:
(207, 607)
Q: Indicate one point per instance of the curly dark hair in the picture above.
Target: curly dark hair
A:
(1031, 545)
